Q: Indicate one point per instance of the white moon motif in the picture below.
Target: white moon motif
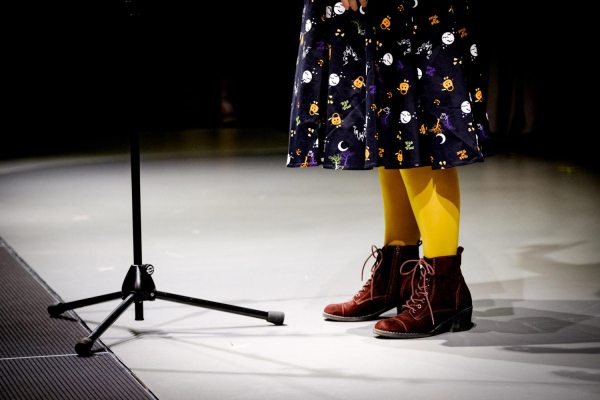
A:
(405, 117)
(361, 10)
(289, 158)
(307, 76)
(328, 11)
(388, 59)
(334, 79)
(416, 3)
(443, 137)
(419, 72)
(340, 146)
(465, 107)
(448, 38)
(339, 8)
(308, 25)
(474, 50)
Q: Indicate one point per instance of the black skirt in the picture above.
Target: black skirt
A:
(397, 84)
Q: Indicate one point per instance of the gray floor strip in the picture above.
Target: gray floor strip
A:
(37, 357)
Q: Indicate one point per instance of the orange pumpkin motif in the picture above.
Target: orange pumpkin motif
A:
(399, 153)
(359, 82)
(404, 88)
(336, 119)
(448, 85)
(385, 24)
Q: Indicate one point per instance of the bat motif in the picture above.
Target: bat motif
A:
(408, 45)
(427, 47)
(360, 135)
(349, 52)
(446, 122)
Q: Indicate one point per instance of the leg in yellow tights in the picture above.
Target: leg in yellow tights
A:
(401, 228)
(435, 199)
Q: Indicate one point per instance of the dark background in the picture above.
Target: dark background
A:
(78, 79)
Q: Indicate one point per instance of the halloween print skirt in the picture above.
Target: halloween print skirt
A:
(396, 84)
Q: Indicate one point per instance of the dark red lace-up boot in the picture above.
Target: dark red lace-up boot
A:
(440, 301)
(386, 289)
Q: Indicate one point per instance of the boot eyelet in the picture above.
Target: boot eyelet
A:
(418, 306)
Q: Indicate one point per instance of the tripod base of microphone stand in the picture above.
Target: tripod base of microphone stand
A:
(84, 346)
(275, 317)
(138, 287)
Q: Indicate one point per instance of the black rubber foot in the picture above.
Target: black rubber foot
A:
(84, 346)
(55, 309)
(275, 317)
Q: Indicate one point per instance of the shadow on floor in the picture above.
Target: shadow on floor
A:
(520, 325)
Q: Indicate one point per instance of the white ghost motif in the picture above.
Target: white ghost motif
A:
(328, 11)
(474, 50)
(448, 38)
(465, 107)
(307, 76)
(388, 59)
(405, 117)
(334, 79)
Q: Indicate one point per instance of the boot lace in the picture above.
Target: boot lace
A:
(378, 254)
(419, 295)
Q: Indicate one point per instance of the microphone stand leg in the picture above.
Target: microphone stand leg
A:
(84, 346)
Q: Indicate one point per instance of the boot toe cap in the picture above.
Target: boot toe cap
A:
(335, 309)
(391, 325)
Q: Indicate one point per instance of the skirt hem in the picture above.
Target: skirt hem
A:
(370, 167)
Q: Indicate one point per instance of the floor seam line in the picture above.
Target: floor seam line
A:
(48, 356)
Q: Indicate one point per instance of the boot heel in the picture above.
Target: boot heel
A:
(462, 321)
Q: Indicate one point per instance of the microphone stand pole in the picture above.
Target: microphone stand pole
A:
(138, 285)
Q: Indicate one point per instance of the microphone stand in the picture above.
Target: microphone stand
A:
(138, 285)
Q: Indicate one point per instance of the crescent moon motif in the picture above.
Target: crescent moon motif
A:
(340, 146)
(361, 10)
(416, 3)
(443, 137)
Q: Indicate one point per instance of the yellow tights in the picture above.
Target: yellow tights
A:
(421, 202)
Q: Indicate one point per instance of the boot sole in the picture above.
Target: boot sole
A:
(457, 323)
(356, 319)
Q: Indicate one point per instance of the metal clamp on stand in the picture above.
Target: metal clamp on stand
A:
(139, 282)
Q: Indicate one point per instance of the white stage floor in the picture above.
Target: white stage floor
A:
(251, 232)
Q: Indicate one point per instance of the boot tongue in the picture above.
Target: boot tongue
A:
(420, 274)
(380, 277)
(446, 265)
